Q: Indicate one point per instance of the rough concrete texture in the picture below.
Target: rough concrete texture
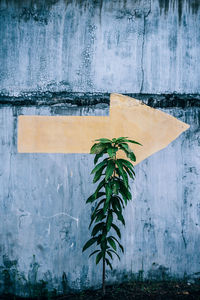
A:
(44, 219)
(60, 101)
(148, 46)
(63, 58)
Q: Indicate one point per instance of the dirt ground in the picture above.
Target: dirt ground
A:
(132, 290)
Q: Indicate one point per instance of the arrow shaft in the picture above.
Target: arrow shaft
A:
(74, 134)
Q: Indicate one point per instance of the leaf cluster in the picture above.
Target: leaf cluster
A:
(111, 195)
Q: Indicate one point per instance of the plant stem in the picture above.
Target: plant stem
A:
(103, 277)
(115, 165)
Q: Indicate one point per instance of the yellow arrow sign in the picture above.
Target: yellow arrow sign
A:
(129, 117)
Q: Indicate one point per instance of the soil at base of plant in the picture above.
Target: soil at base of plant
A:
(128, 291)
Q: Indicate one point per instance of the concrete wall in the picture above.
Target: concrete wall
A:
(147, 46)
(63, 58)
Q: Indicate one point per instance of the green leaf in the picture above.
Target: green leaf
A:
(106, 206)
(115, 209)
(100, 216)
(112, 151)
(124, 197)
(122, 203)
(121, 139)
(100, 185)
(108, 196)
(97, 207)
(109, 221)
(120, 245)
(122, 172)
(116, 203)
(128, 171)
(99, 239)
(110, 169)
(112, 243)
(108, 192)
(120, 216)
(115, 187)
(125, 147)
(103, 140)
(115, 253)
(108, 263)
(89, 243)
(132, 156)
(109, 253)
(117, 230)
(103, 242)
(128, 151)
(98, 148)
(94, 252)
(97, 156)
(98, 227)
(100, 165)
(124, 192)
(98, 174)
(127, 163)
(95, 196)
(99, 257)
(134, 142)
(97, 213)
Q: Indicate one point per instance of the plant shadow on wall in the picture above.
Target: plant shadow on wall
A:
(110, 197)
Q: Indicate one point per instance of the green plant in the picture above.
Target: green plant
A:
(110, 197)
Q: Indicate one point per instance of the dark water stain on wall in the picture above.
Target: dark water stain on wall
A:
(28, 3)
(192, 5)
(38, 11)
(165, 6)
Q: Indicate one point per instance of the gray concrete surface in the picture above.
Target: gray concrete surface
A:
(149, 46)
(63, 58)
(44, 219)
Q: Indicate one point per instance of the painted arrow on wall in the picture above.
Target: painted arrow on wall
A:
(129, 117)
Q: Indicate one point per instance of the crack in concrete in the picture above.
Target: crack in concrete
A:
(184, 240)
(182, 232)
(143, 42)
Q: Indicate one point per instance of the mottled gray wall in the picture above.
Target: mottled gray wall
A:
(44, 219)
(127, 46)
(62, 58)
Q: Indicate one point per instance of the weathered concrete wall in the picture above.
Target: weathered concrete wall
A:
(63, 58)
(149, 46)
(44, 219)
